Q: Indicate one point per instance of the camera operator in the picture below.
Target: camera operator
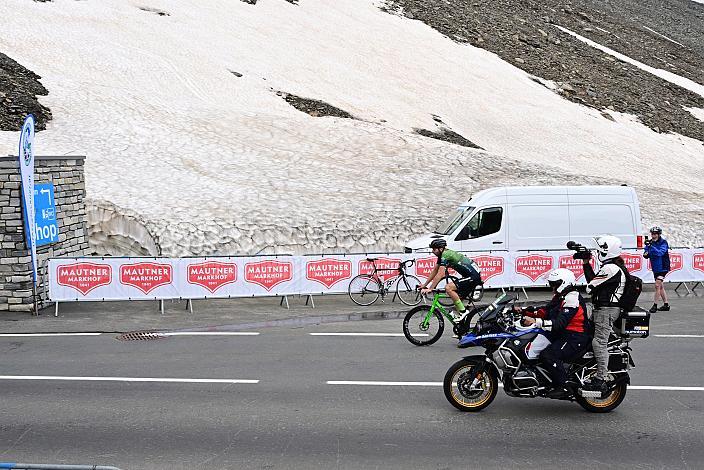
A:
(656, 250)
(606, 287)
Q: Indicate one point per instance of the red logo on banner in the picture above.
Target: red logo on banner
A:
(533, 266)
(676, 262)
(386, 268)
(84, 277)
(212, 274)
(632, 262)
(268, 274)
(490, 266)
(146, 276)
(425, 266)
(698, 262)
(574, 265)
(328, 272)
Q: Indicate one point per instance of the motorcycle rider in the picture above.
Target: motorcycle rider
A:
(607, 287)
(565, 321)
(465, 267)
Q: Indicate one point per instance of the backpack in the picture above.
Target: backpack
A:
(631, 292)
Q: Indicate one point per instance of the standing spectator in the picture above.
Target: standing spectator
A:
(656, 250)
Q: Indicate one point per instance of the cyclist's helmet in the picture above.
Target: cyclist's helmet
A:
(656, 229)
(438, 243)
(561, 279)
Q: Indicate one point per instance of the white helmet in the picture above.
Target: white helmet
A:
(608, 247)
(561, 279)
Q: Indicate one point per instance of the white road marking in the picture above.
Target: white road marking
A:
(439, 384)
(28, 335)
(367, 382)
(362, 334)
(679, 336)
(127, 379)
(211, 333)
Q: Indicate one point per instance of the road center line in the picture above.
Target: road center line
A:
(362, 334)
(211, 333)
(127, 379)
(439, 384)
(18, 335)
(679, 336)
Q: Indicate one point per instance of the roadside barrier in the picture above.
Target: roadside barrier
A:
(135, 278)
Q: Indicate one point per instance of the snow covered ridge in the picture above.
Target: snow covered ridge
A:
(186, 157)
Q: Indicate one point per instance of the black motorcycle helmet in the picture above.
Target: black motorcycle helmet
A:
(438, 243)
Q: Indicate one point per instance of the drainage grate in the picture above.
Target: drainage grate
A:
(141, 336)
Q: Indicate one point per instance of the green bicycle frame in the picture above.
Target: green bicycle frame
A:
(438, 305)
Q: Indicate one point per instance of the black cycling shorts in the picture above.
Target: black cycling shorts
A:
(466, 286)
(660, 274)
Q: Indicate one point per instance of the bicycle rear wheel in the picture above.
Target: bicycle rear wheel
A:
(364, 289)
(407, 290)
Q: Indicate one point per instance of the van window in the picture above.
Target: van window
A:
(454, 221)
(485, 222)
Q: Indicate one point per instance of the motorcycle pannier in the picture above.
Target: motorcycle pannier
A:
(635, 324)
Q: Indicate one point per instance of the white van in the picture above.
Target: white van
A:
(539, 218)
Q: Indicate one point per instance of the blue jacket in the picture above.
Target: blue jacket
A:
(658, 255)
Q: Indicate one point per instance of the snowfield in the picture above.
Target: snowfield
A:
(184, 157)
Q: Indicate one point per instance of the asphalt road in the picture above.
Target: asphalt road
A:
(289, 416)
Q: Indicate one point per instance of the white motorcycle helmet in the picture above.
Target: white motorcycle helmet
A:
(561, 279)
(608, 247)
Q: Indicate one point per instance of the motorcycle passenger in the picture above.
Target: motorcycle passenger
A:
(565, 321)
(606, 287)
(465, 267)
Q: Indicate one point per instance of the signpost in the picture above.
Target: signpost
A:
(46, 228)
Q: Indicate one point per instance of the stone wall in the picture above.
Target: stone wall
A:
(15, 261)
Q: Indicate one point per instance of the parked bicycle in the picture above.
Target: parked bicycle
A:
(365, 289)
(424, 324)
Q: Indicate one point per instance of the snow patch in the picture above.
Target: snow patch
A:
(697, 113)
(664, 74)
(665, 37)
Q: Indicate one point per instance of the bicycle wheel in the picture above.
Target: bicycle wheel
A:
(407, 290)
(364, 289)
(421, 329)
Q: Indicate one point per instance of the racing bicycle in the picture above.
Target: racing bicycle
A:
(365, 289)
(424, 324)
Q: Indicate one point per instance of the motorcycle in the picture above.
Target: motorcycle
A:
(471, 384)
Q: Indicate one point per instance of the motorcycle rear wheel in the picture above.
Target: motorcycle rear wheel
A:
(604, 405)
(458, 389)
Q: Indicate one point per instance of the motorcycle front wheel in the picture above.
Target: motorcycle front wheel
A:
(604, 405)
(468, 388)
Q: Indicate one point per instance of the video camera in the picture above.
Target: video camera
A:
(582, 252)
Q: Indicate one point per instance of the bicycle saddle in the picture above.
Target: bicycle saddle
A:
(372, 259)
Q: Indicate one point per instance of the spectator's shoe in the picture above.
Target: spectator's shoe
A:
(664, 308)
(654, 308)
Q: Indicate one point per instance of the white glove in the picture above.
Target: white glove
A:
(538, 323)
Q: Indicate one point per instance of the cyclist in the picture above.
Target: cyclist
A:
(470, 274)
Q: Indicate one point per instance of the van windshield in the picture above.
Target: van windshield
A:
(455, 220)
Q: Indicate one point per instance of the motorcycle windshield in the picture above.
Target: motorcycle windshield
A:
(489, 313)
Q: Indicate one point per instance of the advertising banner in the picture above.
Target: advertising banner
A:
(26, 161)
(222, 277)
